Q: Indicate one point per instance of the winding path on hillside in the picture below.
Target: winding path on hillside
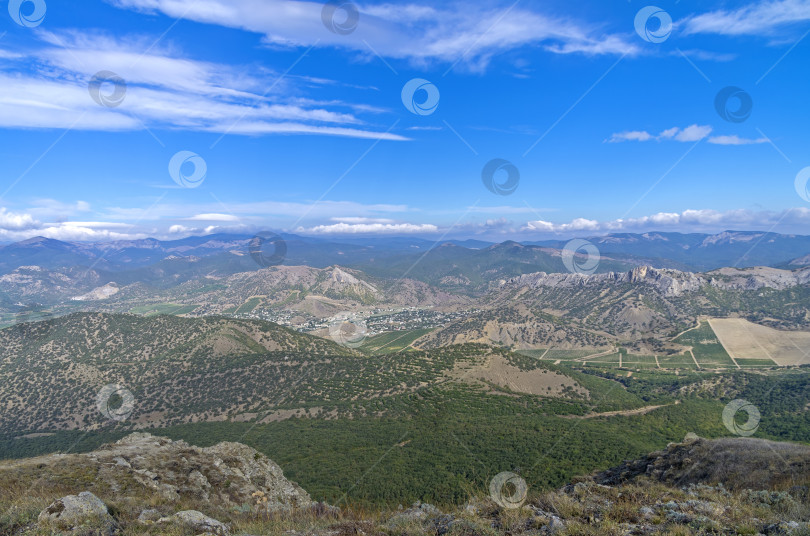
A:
(623, 413)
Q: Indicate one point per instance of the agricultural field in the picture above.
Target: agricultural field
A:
(163, 309)
(555, 354)
(705, 350)
(249, 305)
(394, 341)
(747, 341)
(708, 350)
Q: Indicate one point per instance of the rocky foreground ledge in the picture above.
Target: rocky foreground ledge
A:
(144, 484)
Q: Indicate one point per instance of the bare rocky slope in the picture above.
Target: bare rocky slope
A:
(671, 282)
(319, 292)
(563, 310)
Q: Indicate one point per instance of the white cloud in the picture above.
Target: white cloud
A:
(578, 224)
(213, 217)
(369, 228)
(53, 210)
(505, 209)
(691, 133)
(633, 135)
(354, 219)
(757, 18)
(736, 140)
(6, 55)
(683, 221)
(16, 226)
(12, 221)
(406, 31)
(669, 133)
(96, 224)
(251, 212)
(164, 90)
(180, 229)
(96, 231)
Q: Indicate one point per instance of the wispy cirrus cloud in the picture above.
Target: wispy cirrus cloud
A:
(692, 133)
(736, 140)
(213, 217)
(756, 18)
(47, 87)
(419, 33)
(344, 228)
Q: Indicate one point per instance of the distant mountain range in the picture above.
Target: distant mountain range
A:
(521, 295)
(693, 252)
(701, 252)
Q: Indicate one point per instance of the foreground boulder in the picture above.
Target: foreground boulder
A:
(196, 521)
(77, 512)
(168, 473)
(227, 473)
(736, 463)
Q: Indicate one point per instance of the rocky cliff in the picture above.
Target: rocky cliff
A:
(671, 282)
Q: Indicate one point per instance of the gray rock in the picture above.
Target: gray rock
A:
(226, 474)
(148, 516)
(77, 511)
(646, 512)
(421, 511)
(441, 524)
(324, 510)
(555, 525)
(678, 517)
(197, 521)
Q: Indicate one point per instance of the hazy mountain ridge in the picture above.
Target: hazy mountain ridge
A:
(703, 252)
(319, 292)
(694, 251)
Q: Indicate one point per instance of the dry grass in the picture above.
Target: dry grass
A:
(586, 508)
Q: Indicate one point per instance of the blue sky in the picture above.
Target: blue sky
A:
(302, 125)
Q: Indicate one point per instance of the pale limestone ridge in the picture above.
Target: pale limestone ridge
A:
(671, 282)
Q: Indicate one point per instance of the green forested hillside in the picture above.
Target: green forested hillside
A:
(376, 429)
